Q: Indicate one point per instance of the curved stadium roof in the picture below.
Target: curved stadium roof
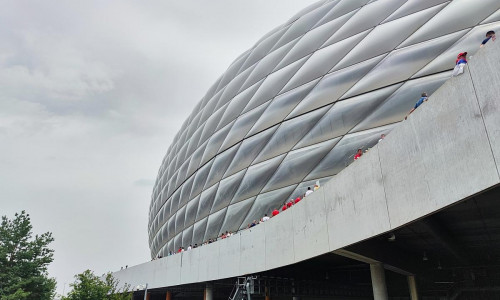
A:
(293, 109)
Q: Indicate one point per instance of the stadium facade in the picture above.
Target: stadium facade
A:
(292, 110)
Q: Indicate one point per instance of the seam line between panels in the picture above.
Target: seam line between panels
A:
(279, 165)
(280, 93)
(256, 196)
(346, 99)
(383, 102)
(270, 100)
(275, 70)
(451, 46)
(167, 167)
(269, 51)
(483, 121)
(445, 2)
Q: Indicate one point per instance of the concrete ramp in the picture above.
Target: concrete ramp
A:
(447, 151)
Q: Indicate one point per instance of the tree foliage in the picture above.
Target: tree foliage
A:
(88, 286)
(24, 261)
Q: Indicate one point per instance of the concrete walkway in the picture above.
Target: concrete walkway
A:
(447, 150)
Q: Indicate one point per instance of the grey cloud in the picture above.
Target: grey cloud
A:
(91, 95)
(144, 182)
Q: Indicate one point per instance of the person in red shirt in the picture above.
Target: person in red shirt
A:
(284, 207)
(358, 154)
(297, 200)
(275, 212)
(289, 204)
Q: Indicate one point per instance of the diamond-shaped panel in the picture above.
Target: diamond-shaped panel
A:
(292, 110)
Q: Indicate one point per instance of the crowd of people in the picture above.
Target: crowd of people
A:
(460, 63)
(265, 218)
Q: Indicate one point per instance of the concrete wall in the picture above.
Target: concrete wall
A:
(447, 150)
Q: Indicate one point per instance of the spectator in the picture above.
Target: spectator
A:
(297, 200)
(195, 246)
(265, 218)
(290, 203)
(180, 250)
(489, 35)
(275, 212)
(308, 192)
(253, 223)
(382, 136)
(190, 247)
(284, 207)
(422, 99)
(460, 64)
(358, 154)
(316, 186)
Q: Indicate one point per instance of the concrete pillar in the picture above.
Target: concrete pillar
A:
(412, 285)
(168, 296)
(209, 292)
(378, 281)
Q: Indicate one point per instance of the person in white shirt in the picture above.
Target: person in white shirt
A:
(190, 247)
(265, 218)
(308, 192)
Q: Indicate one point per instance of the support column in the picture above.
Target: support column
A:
(267, 294)
(209, 292)
(412, 284)
(168, 296)
(378, 281)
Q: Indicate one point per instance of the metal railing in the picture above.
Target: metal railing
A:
(243, 289)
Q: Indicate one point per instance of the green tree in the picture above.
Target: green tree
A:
(24, 261)
(88, 286)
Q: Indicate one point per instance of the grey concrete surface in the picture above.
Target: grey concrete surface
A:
(447, 151)
(487, 88)
(445, 133)
(378, 282)
(310, 235)
(359, 210)
(189, 270)
(209, 262)
(230, 251)
(173, 274)
(252, 246)
(279, 240)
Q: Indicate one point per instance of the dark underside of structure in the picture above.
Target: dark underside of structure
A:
(452, 254)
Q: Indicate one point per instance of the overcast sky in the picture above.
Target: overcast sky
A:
(91, 95)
